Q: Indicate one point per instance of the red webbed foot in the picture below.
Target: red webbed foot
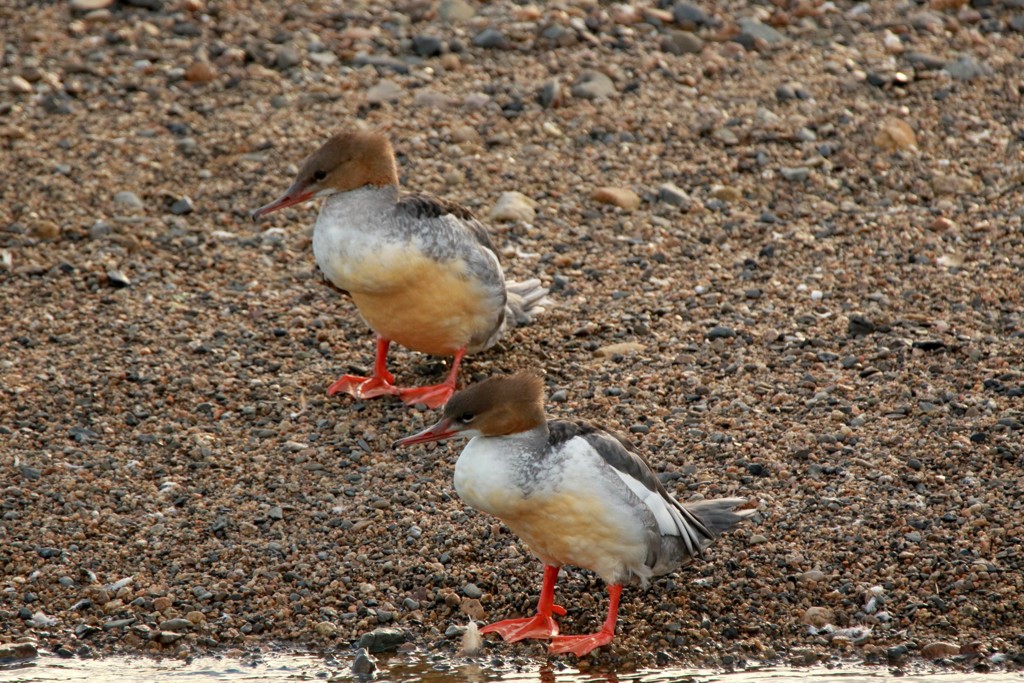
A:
(432, 397)
(537, 627)
(364, 387)
(579, 645)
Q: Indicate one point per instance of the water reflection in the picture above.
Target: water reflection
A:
(419, 668)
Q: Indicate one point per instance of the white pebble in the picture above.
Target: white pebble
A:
(817, 295)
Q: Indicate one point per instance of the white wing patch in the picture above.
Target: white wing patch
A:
(670, 522)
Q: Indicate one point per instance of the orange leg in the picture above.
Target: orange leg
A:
(542, 625)
(381, 384)
(581, 645)
(437, 395)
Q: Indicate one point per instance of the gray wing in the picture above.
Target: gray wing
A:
(421, 206)
(673, 519)
(452, 232)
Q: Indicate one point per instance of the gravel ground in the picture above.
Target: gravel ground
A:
(785, 241)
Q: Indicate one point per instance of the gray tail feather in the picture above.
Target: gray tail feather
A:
(525, 300)
(719, 515)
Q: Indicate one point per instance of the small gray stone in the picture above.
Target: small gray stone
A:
(47, 553)
(689, 15)
(129, 199)
(752, 30)
(384, 90)
(560, 396)
(363, 664)
(472, 591)
(721, 332)
(154, 5)
(287, 57)
(118, 623)
(176, 625)
(182, 206)
(796, 173)
(30, 473)
(99, 229)
(924, 61)
(1017, 23)
(681, 43)
(490, 38)
(275, 513)
(167, 637)
(592, 85)
(55, 104)
(427, 46)
(670, 193)
(725, 135)
(859, 326)
(382, 640)
(967, 68)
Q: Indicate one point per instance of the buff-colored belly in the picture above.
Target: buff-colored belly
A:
(576, 529)
(427, 306)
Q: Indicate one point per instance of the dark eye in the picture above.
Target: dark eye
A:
(466, 417)
(319, 175)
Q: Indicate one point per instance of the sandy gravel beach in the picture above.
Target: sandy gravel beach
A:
(785, 243)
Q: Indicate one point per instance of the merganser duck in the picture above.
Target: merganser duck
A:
(422, 271)
(576, 494)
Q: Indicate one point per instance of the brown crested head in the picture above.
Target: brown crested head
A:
(506, 404)
(347, 161)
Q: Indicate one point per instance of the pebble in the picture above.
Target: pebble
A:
(19, 85)
(176, 625)
(690, 16)
(45, 230)
(326, 628)
(287, 57)
(427, 46)
(385, 90)
(182, 206)
(726, 136)
(795, 174)
(592, 85)
(363, 665)
(471, 590)
(620, 349)
(128, 199)
(490, 38)
(720, 332)
(681, 43)
(513, 207)
(940, 650)
(550, 94)
(621, 197)
(18, 651)
(200, 72)
(817, 616)
(275, 513)
(966, 68)
(117, 278)
(752, 31)
(456, 10)
(670, 193)
(89, 5)
(894, 134)
(811, 576)
(382, 640)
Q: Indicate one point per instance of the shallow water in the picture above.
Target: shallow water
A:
(415, 668)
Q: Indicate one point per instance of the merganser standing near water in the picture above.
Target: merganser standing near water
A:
(422, 271)
(575, 494)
